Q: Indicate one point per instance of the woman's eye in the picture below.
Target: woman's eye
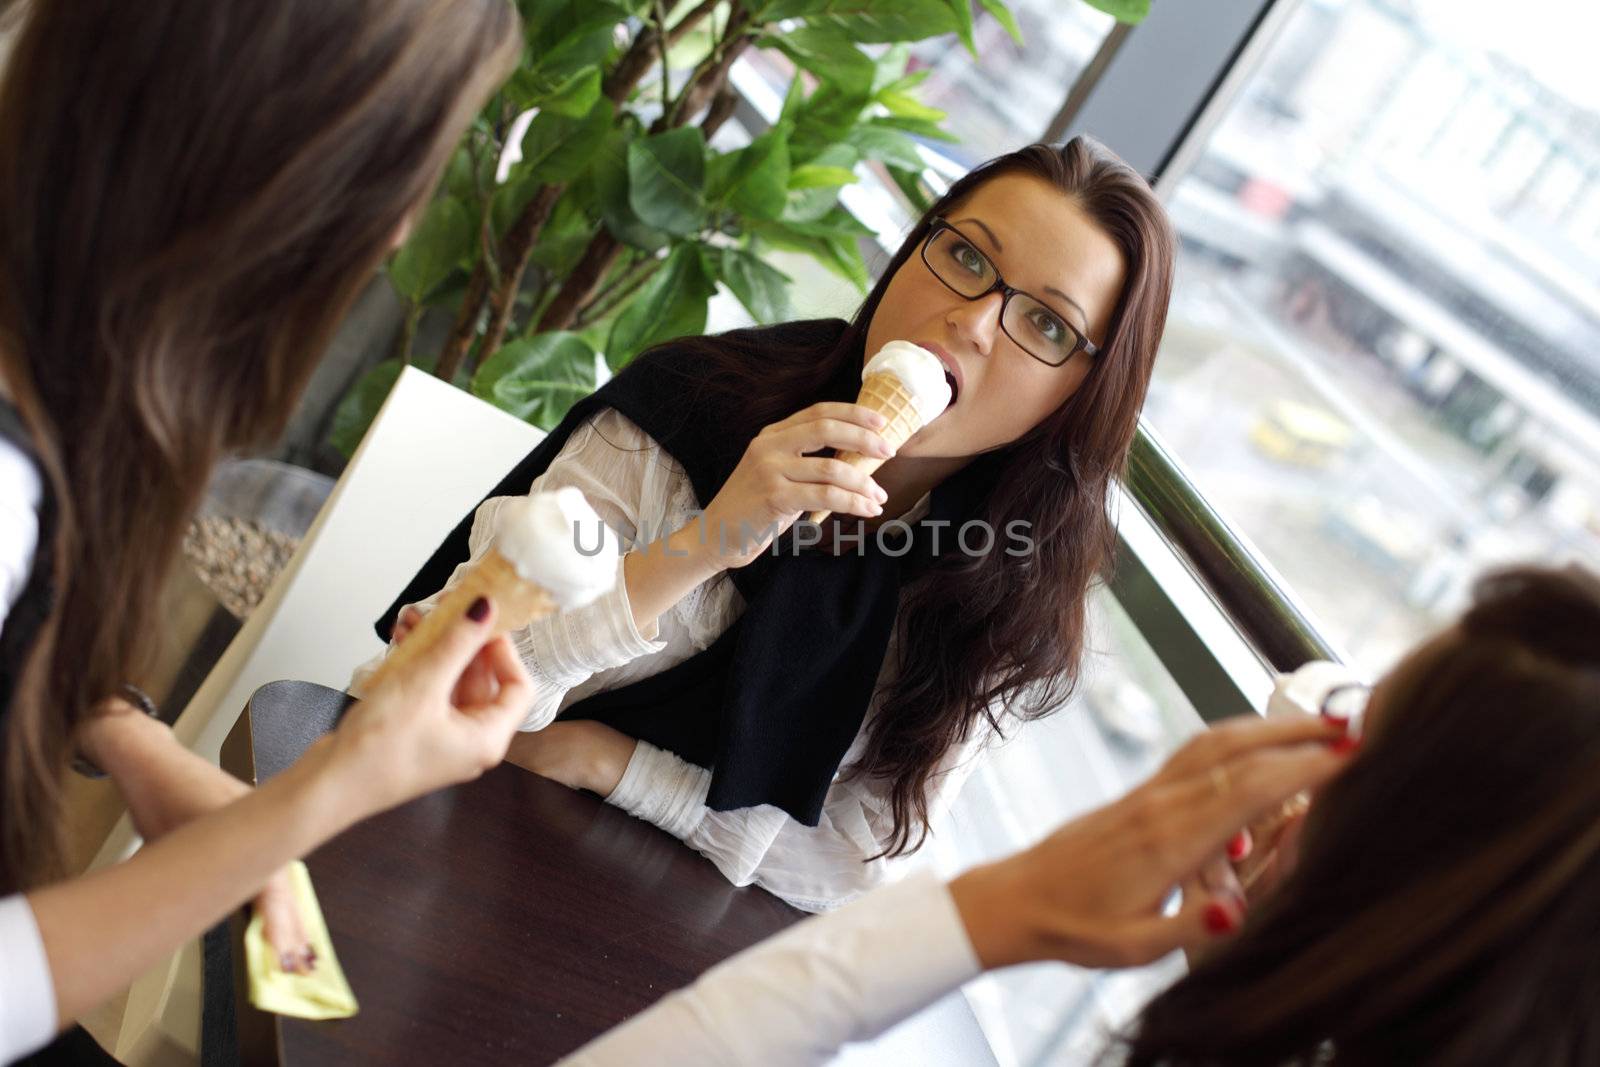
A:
(968, 258)
(1050, 328)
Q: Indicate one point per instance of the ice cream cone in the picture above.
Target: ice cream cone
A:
(517, 602)
(888, 396)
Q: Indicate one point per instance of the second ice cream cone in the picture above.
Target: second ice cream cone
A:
(517, 602)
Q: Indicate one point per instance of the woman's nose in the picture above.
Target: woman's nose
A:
(977, 321)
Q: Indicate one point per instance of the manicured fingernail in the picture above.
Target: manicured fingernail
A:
(1239, 846)
(311, 959)
(1346, 744)
(479, 610)
(285, 963)
(1218, 919)
(877, 491)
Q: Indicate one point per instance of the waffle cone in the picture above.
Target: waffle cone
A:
(887, 395)
(517, 602)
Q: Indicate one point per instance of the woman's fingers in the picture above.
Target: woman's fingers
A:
(837, 434)
(836, 486)
(281, 926)
(1246, 733)
(836, 410)
(439, 668)
(409, 617)
(512, 688)
(1210, 805)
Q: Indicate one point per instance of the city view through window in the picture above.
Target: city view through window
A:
(1383, 359)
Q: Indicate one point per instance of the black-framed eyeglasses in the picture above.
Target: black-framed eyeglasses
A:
(1026, 319)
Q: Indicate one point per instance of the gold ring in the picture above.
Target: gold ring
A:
(1219, 780)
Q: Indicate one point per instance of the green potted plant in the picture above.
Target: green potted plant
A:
(611, 220)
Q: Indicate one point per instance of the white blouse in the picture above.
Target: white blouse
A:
(797, 997)
(642, 493)
(27, 991)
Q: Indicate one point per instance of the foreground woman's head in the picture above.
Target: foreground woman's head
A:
(1447, 899)
(191, 195)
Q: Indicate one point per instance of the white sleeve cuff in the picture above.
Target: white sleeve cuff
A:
(27, 992)
(660, 788)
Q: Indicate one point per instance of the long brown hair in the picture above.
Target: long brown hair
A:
(1447, 897)
(191, 196)
(996, 635)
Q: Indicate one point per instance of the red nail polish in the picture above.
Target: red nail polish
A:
(1346, 744)
(1218, 919)
(479, 610)
(1239, 846)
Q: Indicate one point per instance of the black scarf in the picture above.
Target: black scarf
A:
(772, 706)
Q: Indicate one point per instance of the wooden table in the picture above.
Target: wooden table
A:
(509, 920)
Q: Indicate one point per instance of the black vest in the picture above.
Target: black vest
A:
(773, 705)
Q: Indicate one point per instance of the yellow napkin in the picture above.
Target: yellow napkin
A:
(322, 994)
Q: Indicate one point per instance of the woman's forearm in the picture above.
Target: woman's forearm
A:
(103, 929)
(662, 573)
(163, 783)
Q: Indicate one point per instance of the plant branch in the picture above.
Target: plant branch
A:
(661, 38)
(617, 292)
(690, 21)
(515, 250)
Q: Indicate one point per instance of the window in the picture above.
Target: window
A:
(1383, 357)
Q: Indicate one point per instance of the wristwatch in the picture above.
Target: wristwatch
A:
(139, 699)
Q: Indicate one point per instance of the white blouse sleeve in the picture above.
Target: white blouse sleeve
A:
(618, 469)
(794, 999)
(20, 496)
(27, 992)
(814, 868)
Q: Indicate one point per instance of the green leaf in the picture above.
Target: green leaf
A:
(817, 191)
(905, 106)
(829, 54)
(763, 290)
(565, 234)
(576, 96)
(910, 183)
(671, 304)
(441, 242)
(826, 118)
(754, 180)
(817, 176)
(1132, 12)
(891, 147)
(611, 193)
(962, 11)
(666, 180)
(360, 406)
(837, 222)
(868, 21)
(538, 378)
(839, 254)
(916, 127)
(559, 149)
(564, 38)
(1003, 15)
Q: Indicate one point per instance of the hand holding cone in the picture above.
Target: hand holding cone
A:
(904, 383)
(531, 569)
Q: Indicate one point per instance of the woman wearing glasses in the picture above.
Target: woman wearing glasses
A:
(795, 703)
